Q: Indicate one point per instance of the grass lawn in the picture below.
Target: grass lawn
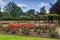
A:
(11, 37)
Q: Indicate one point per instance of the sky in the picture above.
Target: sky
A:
(29, 4)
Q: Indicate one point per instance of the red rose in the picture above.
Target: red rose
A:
(26, 25)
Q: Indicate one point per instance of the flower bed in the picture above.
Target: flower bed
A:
(26, 28)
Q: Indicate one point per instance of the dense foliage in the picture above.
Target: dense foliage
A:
(55, 8)
(13, 12)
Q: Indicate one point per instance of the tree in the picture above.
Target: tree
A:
(1, 14)
(13, 10)
(55, 8)
(31, 14)
(6, 15)
(42, 10)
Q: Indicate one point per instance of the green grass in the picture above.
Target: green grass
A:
(11, 37)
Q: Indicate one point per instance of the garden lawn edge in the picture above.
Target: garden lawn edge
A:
(13, 37)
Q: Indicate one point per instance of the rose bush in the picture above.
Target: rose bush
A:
(25, 29)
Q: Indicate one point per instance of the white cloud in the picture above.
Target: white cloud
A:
(42, 4)
(1, 1)
(22, 5)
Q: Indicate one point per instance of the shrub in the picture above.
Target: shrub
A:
(52, 33)
(14, 27)
(25, 29)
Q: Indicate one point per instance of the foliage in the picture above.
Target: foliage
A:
(31, 12)
(55, 8)
(13, 9)
(25, 31)
(42, 10)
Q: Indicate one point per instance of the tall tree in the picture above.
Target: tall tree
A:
(13, 9)
(31, 13)
(55, 8)
(1, 14)
(42, 10)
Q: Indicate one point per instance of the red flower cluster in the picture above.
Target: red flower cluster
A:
(26, 25)
(17, 25)
(32, 25)
(14, 26)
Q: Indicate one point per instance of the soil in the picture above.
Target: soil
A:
(32, 34)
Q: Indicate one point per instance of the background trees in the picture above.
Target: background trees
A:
(42, 10)
(55, 8)
(13, 10)
(31, 14)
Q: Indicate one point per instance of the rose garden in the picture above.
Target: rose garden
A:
(14, 21)
(31, 29)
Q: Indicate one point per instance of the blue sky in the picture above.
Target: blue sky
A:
(29, 4)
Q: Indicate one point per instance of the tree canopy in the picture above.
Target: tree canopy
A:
(55, 8)
(13, 9)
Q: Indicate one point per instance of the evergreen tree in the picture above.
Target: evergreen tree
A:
(42, 10)
(31, 14)
(13, 9)
(55, 8)
(1, 14)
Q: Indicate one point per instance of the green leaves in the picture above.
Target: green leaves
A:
(31, 12)
(55, 8)
(42, 10)
(13, 9)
